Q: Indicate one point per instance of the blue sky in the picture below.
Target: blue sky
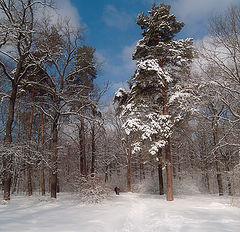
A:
(110, 27)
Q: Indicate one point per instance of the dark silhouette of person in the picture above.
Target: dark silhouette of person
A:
(117, 190)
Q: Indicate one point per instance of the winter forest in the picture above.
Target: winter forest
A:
(174, 130)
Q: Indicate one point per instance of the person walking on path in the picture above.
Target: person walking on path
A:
(117, 190)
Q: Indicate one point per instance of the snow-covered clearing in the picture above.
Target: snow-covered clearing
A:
(128, 212)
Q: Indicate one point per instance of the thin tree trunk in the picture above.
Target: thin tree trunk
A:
(141, 171)
(169, 172)
(229, 180)
(82, 133)
(54, 158)
(160, 174)
(83, 150)
(106, 174)
(174, 171)
(160, 178)
(42, 161)
(93, 150)
(28, 166)
(219, 178)
(207, 181)
(14, 181)
(218, 169)
(128, 151)
(179, 168)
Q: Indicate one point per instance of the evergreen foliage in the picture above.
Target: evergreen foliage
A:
(162, 63)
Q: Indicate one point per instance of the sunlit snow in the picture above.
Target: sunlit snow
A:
(128, 212)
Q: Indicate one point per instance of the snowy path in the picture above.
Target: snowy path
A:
(125, 213)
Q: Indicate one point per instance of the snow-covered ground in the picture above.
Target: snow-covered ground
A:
(128, 212)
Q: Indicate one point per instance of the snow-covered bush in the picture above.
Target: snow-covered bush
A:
(91, 189)
(149, 185)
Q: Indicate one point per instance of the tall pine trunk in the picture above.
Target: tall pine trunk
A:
(167, 148)
(7, 160)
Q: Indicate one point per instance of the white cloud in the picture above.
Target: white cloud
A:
(126, 56)
(126, 66)
(115, 18)
(196, 13)
(119, 72)
(115, 86)
(62, 9)
(195, 10)
(66, 9)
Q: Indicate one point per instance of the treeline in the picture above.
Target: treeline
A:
(47, 78)
(181, 112)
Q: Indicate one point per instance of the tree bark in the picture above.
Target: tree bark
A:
(106, 174)
(219, 178)
(42, 161)
(82, 148)
(169, 172)
(129, 187)
(207, 181)
(160, 178)
(142, 174)
(93, 150)
(167, 149)
(160, 174)
(54, 158)
(218, 169)
(7, 160)
(82, 133)
(28, 166)
(230, 193)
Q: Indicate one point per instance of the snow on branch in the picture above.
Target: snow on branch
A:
(153, 65)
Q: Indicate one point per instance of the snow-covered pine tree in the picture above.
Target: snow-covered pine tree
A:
(157, 99)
